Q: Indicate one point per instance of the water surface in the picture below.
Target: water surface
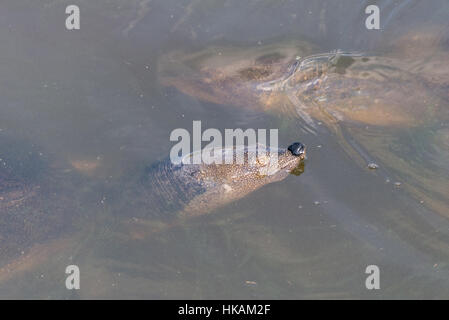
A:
(90, 102)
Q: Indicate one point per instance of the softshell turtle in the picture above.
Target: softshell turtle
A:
(372, 104)
(186, 189)
(327, 87)
(37, 217)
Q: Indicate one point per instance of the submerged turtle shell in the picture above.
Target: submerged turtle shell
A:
(364, 90)
(324, 87)
(32, 210)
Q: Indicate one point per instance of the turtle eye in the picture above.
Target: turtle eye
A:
(262, 160)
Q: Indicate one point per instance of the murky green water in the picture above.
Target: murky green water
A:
(86, 110)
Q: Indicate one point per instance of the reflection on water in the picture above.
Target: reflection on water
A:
(83, 113)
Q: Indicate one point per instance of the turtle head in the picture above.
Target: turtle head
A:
(273, 164)
(292, 159)
(257, 165)
(226, 182)
(261, 165)
(229, 75)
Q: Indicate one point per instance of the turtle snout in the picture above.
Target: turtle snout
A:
(298, 149)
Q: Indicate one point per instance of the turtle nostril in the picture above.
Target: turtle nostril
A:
(297, 149)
